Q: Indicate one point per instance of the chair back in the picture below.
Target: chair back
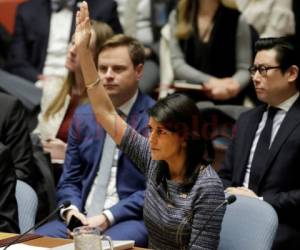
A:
(249, 223)
(27, 201)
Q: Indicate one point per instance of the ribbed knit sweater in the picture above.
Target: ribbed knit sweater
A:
(174, 213)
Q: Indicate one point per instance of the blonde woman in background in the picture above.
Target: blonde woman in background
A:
(60, 98)
(210, 45)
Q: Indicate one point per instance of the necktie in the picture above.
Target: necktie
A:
(262, 149)
(103, 177)
(108, 160)
(130, 17)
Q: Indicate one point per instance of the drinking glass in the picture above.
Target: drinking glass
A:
(90, 238)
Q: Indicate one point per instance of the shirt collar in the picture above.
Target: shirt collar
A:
(287, 104)
(57, 5)
(126, 107)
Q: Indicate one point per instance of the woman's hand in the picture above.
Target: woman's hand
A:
(221, 88)
(83, 27)
(56, 147)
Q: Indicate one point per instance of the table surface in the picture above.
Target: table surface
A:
(48, 242)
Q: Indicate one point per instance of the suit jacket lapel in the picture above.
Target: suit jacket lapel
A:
(135, 118)
(245, 144)
(289, 123)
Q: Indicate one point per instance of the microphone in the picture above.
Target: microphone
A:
(64, 204)
(229, 200)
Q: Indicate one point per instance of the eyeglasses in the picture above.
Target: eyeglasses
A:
(262, 69)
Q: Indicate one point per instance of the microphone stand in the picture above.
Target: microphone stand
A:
(63, 205)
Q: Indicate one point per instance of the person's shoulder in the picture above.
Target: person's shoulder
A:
(11, 109)
(208, 177)
(208, 182)
(251, 112)
(208, 172)
(5, 97)
(84, 118)
(85, 108)
(28, 5)
(144, 101)
(8, 101)
(148, 100)
(102, 3)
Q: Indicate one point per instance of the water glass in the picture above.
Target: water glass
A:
(90, 238)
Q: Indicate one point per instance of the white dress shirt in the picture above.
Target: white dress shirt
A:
(278, 119)
(60, 28)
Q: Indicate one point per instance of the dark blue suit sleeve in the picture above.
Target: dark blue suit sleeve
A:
(70, 185)
(130, 208)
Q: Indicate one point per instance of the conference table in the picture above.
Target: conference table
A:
(48, 242)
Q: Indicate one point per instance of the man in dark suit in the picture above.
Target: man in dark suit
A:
(268, 168)
(15, 135)
(121, 216)
(30, 41)
(8, 203)
(16, 159)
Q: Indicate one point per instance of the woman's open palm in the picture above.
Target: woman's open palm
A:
(83, 26)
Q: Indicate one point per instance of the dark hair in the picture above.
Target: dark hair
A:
(135, 48)
(285, 48)
(179, 114)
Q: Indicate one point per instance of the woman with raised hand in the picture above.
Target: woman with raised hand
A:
(182, 190)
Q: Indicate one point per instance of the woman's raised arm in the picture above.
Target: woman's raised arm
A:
(103, 107)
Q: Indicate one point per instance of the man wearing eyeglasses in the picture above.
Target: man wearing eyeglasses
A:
(263, 159)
